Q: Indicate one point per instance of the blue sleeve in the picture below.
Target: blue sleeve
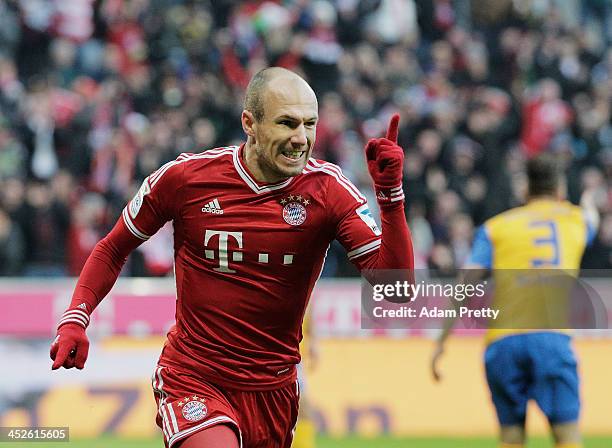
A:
(482, 249)
(591, 230)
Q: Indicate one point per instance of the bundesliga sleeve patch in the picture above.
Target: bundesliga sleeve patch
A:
(136, 202)
(364, 213)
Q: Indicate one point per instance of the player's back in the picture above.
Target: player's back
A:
(542, 234)
(534, 252)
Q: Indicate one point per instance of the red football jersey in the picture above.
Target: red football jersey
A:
(247, 256)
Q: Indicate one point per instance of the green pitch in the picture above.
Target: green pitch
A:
(388, 442)
(324, 442)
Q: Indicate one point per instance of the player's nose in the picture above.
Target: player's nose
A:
(299, 136)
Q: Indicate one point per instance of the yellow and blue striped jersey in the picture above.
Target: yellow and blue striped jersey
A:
(544, 234)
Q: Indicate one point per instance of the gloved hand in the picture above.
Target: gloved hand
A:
(71, 345)
(385, 160)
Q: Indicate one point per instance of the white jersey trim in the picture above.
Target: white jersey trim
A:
(154, 177)
(168, 431)
(173, 418)
(131, 227)
(397, 193)
(209, 154)
(336, 173)
(157, 383)
(213, 421)
(157, 175)
(365, 249)
(243, 173)
(71, 320)
(170, 425)
(75, 316)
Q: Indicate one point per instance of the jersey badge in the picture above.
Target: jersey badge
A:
(193, 408)
(136, 202)
(364, 213)
(294, 209)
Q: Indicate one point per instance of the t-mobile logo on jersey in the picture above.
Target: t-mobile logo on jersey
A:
(224, 254)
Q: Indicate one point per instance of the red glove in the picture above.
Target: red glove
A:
(385, 163)
(71, 346)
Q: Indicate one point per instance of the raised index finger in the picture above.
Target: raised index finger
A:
(393, 125)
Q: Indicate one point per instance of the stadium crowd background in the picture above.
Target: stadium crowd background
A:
(95, 95)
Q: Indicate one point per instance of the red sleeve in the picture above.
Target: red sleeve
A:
(103, 267)
(395, 250)
(355, 228)
(155, 203)
(367, 246)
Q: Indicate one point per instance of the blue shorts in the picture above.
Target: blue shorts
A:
(539, 366)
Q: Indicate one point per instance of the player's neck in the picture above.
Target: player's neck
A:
(256, 169)
(544, 197)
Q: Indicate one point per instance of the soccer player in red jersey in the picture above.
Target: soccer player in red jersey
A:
(252, 225)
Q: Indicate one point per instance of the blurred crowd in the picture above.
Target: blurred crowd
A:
(96, 94)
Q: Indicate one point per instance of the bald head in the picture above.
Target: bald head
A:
(280, 120)
(271, 79)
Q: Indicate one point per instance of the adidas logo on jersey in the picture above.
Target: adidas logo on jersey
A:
(381, 195)
(213, 207)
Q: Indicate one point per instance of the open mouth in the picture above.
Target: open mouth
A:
(293, 155)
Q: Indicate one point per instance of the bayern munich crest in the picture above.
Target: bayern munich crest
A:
(194, 408)
(294, 210)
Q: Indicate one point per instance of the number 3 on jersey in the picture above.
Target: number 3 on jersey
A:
(550, 240)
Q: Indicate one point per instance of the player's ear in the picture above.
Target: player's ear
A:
(248, 123)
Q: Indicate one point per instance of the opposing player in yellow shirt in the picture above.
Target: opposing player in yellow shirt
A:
(547, 233)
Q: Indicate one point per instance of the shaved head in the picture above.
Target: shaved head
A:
(261, 83)
(280, 120)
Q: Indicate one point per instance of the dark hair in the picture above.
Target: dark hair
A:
(544, 174)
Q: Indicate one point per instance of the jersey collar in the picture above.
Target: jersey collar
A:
(246, 176)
